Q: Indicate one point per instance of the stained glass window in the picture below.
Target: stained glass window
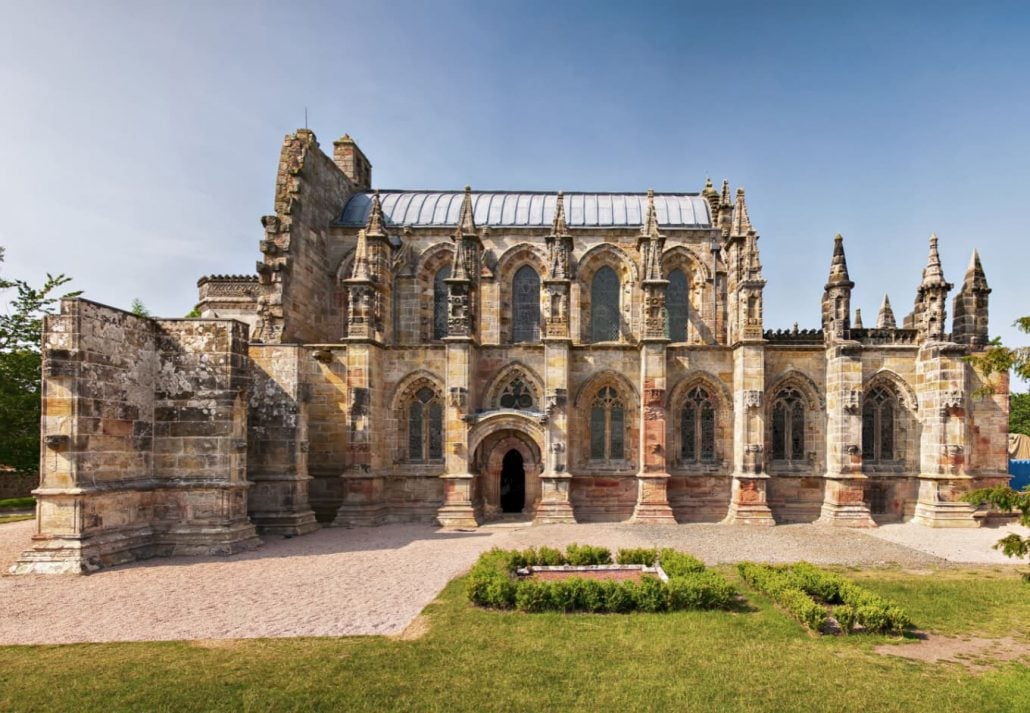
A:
(607, 426)
(425, 427)
(676, 306)
(440, 302)
(517, 394)
(697, 427)
(878, 417)
(604, 306)
(788, 426)
(525, 305)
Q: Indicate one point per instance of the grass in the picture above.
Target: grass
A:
(16, 518)
(17, 503)
(752, 659)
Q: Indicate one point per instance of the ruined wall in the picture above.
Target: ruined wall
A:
(296, 273)
(141, 429)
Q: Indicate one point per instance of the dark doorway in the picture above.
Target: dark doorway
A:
(513, 482)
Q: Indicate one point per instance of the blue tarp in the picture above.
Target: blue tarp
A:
(1020, 471)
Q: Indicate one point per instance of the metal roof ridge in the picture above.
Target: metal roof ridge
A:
(534, 193)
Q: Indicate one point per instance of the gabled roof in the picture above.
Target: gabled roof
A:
(531, 209)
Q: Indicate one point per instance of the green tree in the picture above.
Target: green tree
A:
(999, 359)
(1019, 414)
(20, 333)
(138, 308)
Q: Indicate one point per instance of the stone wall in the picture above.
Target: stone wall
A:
(17, 485)
(141, 427)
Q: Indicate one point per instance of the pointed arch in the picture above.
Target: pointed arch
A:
(680, 256)
(430, 262)
(905, 391)
(699, 425)
(517, 370)
(586, 389)
(418, 408)
(814, 397)
(621, 303)
(512, 264)
(706, 378)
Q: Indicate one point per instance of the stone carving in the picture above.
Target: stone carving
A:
(853, 401)
(752, 398)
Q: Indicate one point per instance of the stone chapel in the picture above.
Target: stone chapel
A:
(453, 356)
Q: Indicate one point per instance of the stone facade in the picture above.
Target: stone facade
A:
(449, 357)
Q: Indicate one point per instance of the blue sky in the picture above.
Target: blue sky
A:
(139, 139)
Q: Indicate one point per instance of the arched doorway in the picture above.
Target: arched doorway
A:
(513, 482)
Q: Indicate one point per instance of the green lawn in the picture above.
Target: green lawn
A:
(474, 660)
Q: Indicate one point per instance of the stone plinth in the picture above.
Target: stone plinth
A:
(748, 504)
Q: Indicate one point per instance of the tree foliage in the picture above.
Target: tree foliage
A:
(998, 359)
(1019, 414)
(21, 328)
(138, 308)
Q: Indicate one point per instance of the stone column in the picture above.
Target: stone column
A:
(459, 508)
(943, 476)
(277, 462)
(363, 485)
(555, 481)
(748, 505)
(653, 479)
(844, 498)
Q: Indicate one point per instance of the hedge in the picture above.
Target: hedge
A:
(493, 582)
(795, 588)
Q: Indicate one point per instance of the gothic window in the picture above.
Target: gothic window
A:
(440, 302)
(517, 394)
(788, 429)
(676, 306)
(604, 306)
(878, 422)
(607, 426)
(697, 427)
(425, 427)
(525, 305)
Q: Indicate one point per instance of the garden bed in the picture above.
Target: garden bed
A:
(585, 579)
(823, 601)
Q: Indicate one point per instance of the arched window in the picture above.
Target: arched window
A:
(697, 427)
(676, 306)
(607, 426)
(517, 394)
(425, 427)
(604, 306)
(788, 426)
(440, 302)
(878, 418)
(525, 305)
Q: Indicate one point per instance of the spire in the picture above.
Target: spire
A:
(933, 275)
(467, 222)
(975, 280)
(375, 218)
(885, 319)
(559, 227)
(712, 197)
(359, 270)
(839, 264)
(725, 199)
(650, 227)
(754, 264)
(858, 318)
(741, 221)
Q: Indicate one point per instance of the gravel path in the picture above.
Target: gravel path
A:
(339, 582)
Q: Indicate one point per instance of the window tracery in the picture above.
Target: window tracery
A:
(676, 306)
(425, 427)
(604, 306)
(697, 427)
(525, 306)
(788, 426)
(879, 411)
(517, 394)
(440, 297)
(607, 426)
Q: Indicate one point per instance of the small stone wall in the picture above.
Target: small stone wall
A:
(17, 485)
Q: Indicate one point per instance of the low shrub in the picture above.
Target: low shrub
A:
(492, 582)
(637, 555)
(17, 503)
(796, 588)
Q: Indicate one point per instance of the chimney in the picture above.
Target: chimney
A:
(352, 162)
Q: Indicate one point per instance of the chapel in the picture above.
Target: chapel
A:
(462, 356)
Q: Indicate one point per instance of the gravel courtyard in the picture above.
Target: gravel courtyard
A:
(339, 582)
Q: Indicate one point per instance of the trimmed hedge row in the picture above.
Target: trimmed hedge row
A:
(794, 586)
(493, 582)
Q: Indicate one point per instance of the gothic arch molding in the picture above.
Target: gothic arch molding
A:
(679, 255)
(700, 377)
(602, 378)
(814, 398)
(512, 260)
(492, 423)
(906, 394)
(411, 383)
(504, 377)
